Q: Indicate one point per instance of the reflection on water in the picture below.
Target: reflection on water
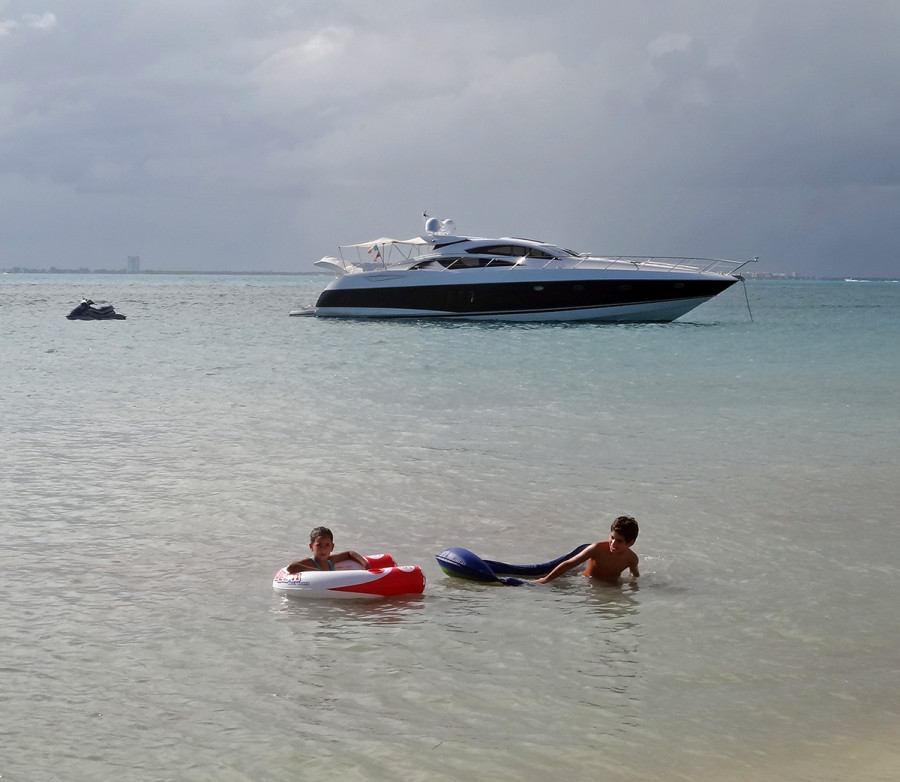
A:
(342, 613)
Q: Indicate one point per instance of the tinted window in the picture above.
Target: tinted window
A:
(457, 262)
(516, 250)
(474, 263)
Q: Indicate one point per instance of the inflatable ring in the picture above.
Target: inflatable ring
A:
(383, 578)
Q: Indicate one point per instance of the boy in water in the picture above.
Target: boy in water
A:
(321, 543)
(606, 559)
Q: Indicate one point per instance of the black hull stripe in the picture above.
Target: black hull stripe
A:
(519, 298)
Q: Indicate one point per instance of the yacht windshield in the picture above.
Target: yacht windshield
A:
(561, 250)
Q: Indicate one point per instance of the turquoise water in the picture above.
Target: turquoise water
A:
(157, 471)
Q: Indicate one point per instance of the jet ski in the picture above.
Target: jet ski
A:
(88, 310)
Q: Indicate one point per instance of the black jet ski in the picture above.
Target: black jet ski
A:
(87, 310)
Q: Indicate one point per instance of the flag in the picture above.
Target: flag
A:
(377, 252)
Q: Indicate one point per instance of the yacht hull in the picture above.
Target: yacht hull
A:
(576, 297)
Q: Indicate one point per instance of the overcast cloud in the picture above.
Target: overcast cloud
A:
(247, 135)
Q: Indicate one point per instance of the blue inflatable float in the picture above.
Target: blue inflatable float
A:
(462, 563)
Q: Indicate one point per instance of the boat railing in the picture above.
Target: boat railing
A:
(662, 263)
(669, 263)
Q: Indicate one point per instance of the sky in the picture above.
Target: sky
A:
(240, 135)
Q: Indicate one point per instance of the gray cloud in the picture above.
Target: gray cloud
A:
(225, 134)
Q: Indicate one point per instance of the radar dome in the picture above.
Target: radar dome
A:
(440, 227)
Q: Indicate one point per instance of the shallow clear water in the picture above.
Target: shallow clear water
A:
(157, 471)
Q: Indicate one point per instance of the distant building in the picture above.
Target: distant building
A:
(134, 264)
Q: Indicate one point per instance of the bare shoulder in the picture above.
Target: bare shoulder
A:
(592, 549)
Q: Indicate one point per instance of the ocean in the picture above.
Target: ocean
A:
(157, 471)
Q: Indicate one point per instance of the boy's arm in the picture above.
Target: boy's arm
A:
(345, 555)
(567, 565)
(633, 566)
(300, 565)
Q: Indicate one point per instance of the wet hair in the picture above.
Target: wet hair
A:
(318, 532)
(627, 527)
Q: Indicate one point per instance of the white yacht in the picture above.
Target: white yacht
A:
(443, 275)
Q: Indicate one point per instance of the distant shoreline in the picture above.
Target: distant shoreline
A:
(151, 272)
(52, 270)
